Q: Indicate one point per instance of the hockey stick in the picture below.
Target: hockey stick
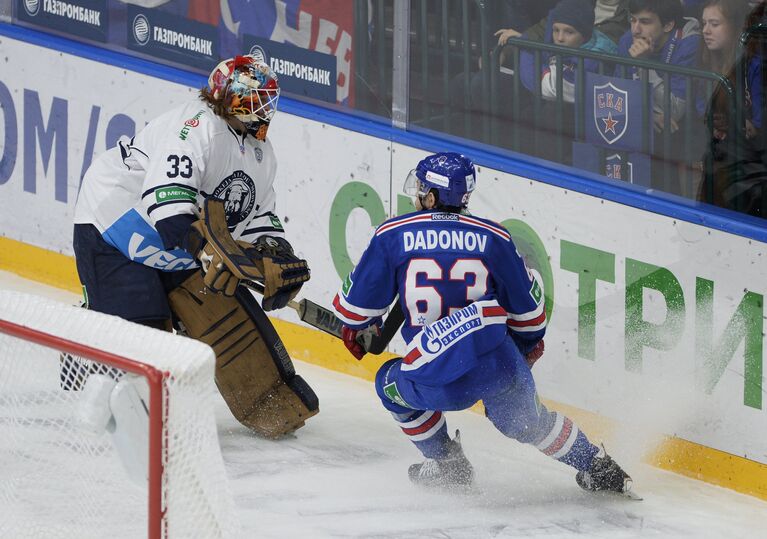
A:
(378, 343)
(308, 311)
(324, 319)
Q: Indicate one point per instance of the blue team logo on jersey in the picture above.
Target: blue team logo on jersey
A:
(610, 106)
(238, 192)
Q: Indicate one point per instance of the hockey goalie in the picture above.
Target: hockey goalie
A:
(167, 225)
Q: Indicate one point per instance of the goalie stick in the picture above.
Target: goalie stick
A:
(324, 319)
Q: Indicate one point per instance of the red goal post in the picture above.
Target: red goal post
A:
(58, 477)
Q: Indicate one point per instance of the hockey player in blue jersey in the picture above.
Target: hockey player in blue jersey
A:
(474, 323)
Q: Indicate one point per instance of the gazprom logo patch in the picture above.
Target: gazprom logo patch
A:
(430, 341)
(445, 331)
(32, 7)
(141, 29)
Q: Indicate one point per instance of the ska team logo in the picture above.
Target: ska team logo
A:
(610, 112)
(32, 7)
(141, 29)
(239, 195)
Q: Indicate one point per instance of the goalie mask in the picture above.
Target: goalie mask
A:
(451, 174)
(250, 91)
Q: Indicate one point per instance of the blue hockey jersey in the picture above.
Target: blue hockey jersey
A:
(438, 263)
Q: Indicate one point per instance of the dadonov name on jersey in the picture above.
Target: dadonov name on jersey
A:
(426, 240)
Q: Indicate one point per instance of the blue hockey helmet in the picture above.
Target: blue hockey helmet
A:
(450, 173)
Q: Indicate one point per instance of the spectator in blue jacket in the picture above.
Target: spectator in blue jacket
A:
(571, 24)
(660, 33)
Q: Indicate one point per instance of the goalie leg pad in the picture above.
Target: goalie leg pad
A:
(253, 370)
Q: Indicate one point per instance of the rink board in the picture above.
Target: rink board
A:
(657, 322)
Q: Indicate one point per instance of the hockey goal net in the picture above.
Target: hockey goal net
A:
(60, 479)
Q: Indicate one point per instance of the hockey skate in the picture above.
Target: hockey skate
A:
(605, 475)
(453, 471)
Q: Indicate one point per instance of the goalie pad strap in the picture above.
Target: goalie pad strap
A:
(253, 370)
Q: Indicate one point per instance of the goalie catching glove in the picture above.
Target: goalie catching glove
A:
(284, 273)
(224, 261)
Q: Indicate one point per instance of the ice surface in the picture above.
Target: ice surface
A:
(345, 475)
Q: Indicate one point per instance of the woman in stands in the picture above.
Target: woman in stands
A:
(734, 169)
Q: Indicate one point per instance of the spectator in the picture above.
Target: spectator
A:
(610, 18)
(736, 156)
(660, 33)
(571, 25)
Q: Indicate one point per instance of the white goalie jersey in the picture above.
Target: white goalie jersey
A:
(181, 157)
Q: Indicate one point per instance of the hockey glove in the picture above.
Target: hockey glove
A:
(358, 341)
(283, 272)
(349, 336)
(534, 355)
